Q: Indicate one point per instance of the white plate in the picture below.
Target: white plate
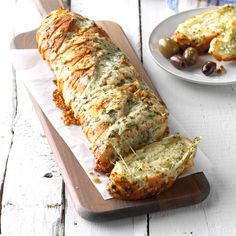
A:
(193, 73)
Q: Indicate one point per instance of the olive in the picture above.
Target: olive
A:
(178, 61)
(208, 68)
(168, 47)
(190, 55)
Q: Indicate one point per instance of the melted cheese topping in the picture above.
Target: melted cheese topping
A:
(159, 158)
(101, 86)
(225, 44)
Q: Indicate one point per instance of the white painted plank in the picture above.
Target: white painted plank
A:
(7, 94)
(31, 204)
(207, 111)
(118, 11)
(8, 108)
(75, 225)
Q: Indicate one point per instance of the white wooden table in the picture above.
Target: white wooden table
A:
(34, 199)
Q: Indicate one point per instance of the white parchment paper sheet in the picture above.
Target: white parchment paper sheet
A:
(38, 78)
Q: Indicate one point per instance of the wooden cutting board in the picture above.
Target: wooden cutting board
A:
(87, 200)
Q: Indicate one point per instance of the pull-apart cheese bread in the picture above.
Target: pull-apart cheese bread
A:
(152, 169)
(98, 88)
(198, 31)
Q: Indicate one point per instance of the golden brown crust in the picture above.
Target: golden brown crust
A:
(67, 112)
(223, 58)
(182, 40)
(126, 190)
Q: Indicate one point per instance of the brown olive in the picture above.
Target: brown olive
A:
(208, 68)
(190, 55)
(178, 61)
(168, 47)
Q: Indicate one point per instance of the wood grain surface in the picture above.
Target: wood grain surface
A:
(87, 200)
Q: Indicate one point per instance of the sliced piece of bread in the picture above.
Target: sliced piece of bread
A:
(223, 47)
(152, 169)
(199, 30)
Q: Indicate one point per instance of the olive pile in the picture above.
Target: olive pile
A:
(171, 50)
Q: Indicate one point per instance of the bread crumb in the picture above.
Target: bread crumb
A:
(221, 70)
(96, 180)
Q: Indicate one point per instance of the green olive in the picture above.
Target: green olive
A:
(168, 47)
(190, 55)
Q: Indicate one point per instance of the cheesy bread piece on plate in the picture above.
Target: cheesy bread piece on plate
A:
(99, 88)
(223, 47)
(198, 31)
(152, 169)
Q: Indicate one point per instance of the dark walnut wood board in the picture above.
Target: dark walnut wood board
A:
(87, 200)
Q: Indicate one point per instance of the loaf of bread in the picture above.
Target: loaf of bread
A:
(99, 89)
(199, 31)
(152, 169)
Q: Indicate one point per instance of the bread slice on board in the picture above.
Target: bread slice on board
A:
(152, 169)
